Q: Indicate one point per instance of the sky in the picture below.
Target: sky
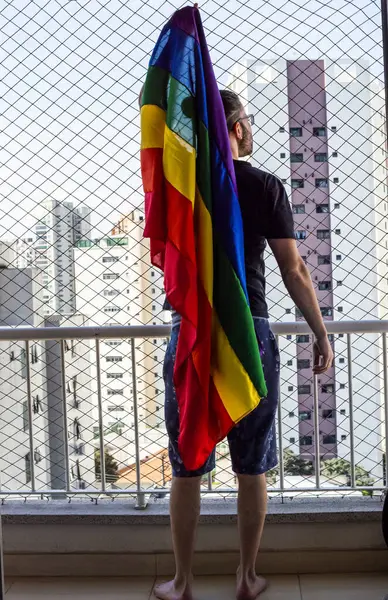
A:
(72, 71)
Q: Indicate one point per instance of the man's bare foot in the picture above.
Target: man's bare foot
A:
(173, 591)
(249, 588)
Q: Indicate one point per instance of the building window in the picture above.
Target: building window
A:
(110, 276)
(306, 440)
(111, 309)
(340, 309)
(36, 405)
(296, 131)
(336, 180)
(304, 389)
(319, 131)
(111, 293)
(343, 438)
(322, 208)
(336, 206)
(284, 180)
(291, 414)
(288, 311)
(292, 440)
(281, 130)
(321, 183)
(27, 467)
(343, 411)
(303, 363)
(115, 392)
(326, 311)
(76, 429)
(342, 361)
(300, 235)
(282, 155)
(323, 234)
(25, 416)
(334, 129)
(328, 414)
(110, 259)
(302, 339)
(289, 363)
(338, 257)
(342, 387)
(330, 337)
(288, 337)
(114, 359)
(329, 439)
(115, 375)
(114, 408)
(298, 209)
(334, 154)
(339, 283)
(296, 158)
(298, 313)
(324, 285)
(320, 157)
(290, 388)
(305, 415)
(324, 260)
(297, 184)
(327, 388)
(37, 456)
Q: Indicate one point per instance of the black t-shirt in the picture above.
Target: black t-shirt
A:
(266, 215)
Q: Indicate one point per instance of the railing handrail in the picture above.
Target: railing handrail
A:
(23, 333)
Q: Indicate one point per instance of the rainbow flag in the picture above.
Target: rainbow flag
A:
(194, 223)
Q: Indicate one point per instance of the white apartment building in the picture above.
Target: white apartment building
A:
(115, 285)
(21, 305)
(321, 130)
(60, 226)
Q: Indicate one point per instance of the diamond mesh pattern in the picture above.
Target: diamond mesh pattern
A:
(72, 252)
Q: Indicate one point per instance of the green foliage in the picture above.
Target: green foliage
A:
(111, 467)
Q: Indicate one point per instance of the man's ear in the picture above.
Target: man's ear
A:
(238, 131)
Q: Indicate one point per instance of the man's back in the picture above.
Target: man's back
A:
(266, 214)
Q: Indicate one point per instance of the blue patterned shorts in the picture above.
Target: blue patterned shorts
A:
(252, 442)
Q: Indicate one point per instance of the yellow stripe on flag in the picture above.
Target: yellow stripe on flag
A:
(204, 236)
(179, 164)
(235, 388)
(153, 123)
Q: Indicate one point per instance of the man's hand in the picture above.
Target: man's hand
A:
(323, 355)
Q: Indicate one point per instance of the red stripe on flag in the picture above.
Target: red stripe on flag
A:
(155, 203)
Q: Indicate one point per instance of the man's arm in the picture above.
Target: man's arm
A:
(298, 282)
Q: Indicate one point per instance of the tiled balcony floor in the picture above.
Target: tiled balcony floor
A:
(283, 587)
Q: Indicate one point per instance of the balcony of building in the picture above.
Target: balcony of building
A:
(67, 514)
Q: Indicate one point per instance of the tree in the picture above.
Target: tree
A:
(335, 467)
(293, 465)
(111, 467)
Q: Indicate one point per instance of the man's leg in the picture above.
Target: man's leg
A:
(252, 508)
(184, 512)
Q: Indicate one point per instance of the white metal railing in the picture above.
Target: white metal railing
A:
(131, 333)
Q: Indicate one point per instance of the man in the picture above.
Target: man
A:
(267, 217)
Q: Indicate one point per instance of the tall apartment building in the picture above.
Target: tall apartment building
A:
(321, 130)
(115, 285)
(60, 226)
(21, 305)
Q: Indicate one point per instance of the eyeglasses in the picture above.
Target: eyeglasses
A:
(251, 120)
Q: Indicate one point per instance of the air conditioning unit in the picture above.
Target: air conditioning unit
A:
(80, 484)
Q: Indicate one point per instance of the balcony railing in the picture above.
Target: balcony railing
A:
(56, 423)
